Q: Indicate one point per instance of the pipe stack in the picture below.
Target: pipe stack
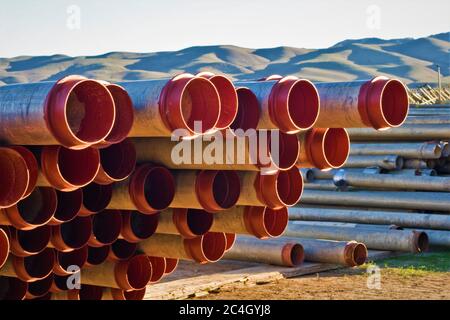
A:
(113, 184)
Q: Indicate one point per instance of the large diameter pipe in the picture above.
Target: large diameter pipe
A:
(39, 288)
(96, 198)
(437, 238)
(132, 274)
(260, 222)
(69, 205)
(414, 150)
(117, 162)
(34, 211)
(388, 162)
(150, 189)
(13, 289)
(30, 268)
(71, 235)
(207, 248)
(247, 116)
(437, 201)
(228, 98)
(97, 255)
(64, 261)
(106, 227)
(137, 227)
(61, 169)
(281, 253)
(378, 103)
(15, 177)
(417, 132)
(289, 104)
(4, 247)
(282, 189)
(189, 223)
(122, 250)
(389, 181)
(379, 239)
(75, 112)
(162, 106)
(32, 165)
(401, 219)
(323, 148)
(30, 242)
(210, 190)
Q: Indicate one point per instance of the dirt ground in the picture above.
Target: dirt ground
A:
(409, 277)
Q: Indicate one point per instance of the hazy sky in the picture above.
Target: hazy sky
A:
(89, 27)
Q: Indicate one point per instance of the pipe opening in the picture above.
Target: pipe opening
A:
(297, 254)
(213, 246)
(39, 207)
(40, 265)
(199, 221)
(422, 242)
(78, 167)
(32, 165)
(226, 188)
(336, 147)
(303, 104)
(15, 177)
(138, 272)
(247, 116)
(124, 114)
(106, 226)
(41, 287)
(359, 254)
(228, 100)
(90, 111)
(394, 103)
(76, 233)
(33, 241)
(118, 161)
(399, 162)
(4, 247)
(97, 255)
(60, 283)
(143, 226)
(12, 288)
(88, 292)
(69, 204)
(96, 197)
(289, 149)
(275, 221)
(122, 249)
(200, 102)
(159, 188)
(289, 186)
(158, 268)
(134, 294)
(231, 239)
(171, 265)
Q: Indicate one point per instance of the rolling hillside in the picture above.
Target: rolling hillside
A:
(412, 60)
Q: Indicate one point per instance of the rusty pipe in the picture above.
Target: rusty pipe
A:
(379, 103)
(96, 198)
(75, 112)
(388, 162)
(436, 201)
(69, 206)
(379, 239)
(34, 211)
(33, 168)
(416, 132)
(65, 261)
(282, 189)
(247, 116)
(289, 104)
(150, 189)
(71, 235)
(30, 242)
(97, 255)
(132, 274)
(60, 167)
(260, 222)
(402, 219)
(414, 150)
(207, 248)
(228, 98)
(323, 148)
(137, 226)
(189, 223)
(436, 238)
(30, 268)
(162, 106)
(12, 288)
(117, 162)
(211, 190)
(15, 177)
(158, 268)
(122, 250)
(281, 253)
(106, 226)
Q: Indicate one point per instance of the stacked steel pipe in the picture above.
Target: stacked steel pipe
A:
(98, 188)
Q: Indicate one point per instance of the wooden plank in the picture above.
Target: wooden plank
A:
(199, 285)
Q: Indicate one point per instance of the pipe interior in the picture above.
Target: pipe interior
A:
(118, 160)
(36, 240)
(143, 225)
(39, 266)
(76, 233)
(289, 149)
(158, 268)
(303, 104)
(289, 186)
(123, 250)
(171, 265)
(90, 111)
(96, 197)
(228, 100)
(247, 116)
(4, 247)
(12, 288)
(69, 204)
(200, 102)
(226, 188)
(124, 114)
(399, 162)
(41, 287)
(231, 239)
(78, 167)
(214, 245)
(275, 221)
(297, 254)
(422, 242)
(394, 103)
(106, 226)
(359, 254)
(97, 255)
(15, 178)
(88, 292)
(139, 272)
(39, 207)
(134, 294)
(199, 221)
(336, 147)
(159, 188)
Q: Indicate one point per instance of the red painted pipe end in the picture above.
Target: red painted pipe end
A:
(265, 223)
(231, 239)
(31, 242)
(171, 265)
(96, 198)
(192, 223)
(64, 260)
(355, 253)
(106, 227)
(4, 247)
(133, 274)
(292, 254)
(34, 267)
(15, 177)
(79, 112)
(12, 288)
(158, 268)
(33, 168)
(217, 190)
(69, 206)
(207, 248)
(97, 255)
(122, 250)
(137, 227)
(40, 288)
(288, 151)
(72, 235)
(247, 116)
